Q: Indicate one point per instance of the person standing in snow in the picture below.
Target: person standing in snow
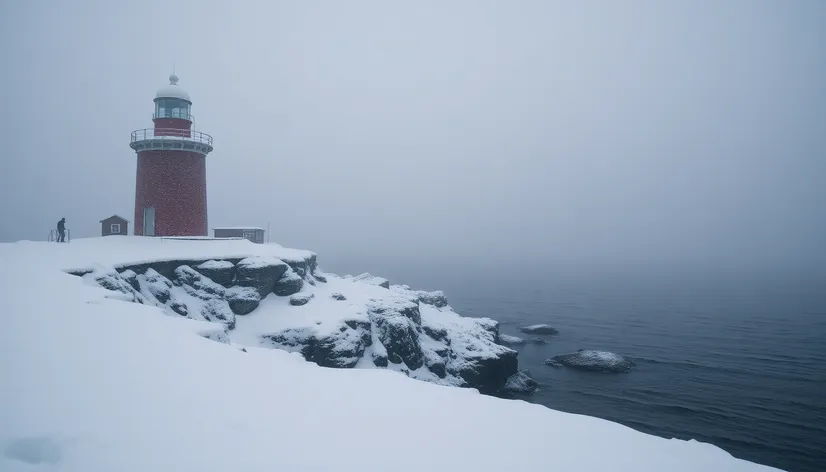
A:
(61, 230)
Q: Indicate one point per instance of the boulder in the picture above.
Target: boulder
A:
(288, 284)
(219, 271)
(521, 382)
(131, 278)
(594, 361)
(179, 308)
(242, 300)
(301, 299)
(155, 286)
(338, 296)
(218, 310)
(260, 273)
(197, 285)
(111, 280)
(539, 329)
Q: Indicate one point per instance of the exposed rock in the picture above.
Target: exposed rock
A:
(338, 296)
(489, 325)
(320, 277)
(301, 299)
(155, 286)
(521, 382)
(242, 300)
(372, 280)
(259, 272)
(288, 284)
(111, 280)
(539, 329)
(131, 278)
(539, 341)
(179, 308)
(397, 332)
(437, 333)
(436, 298)
(509, 340)
(196, 284)
(340, 348)
(591, 360)
(488, 374)
(219, 271)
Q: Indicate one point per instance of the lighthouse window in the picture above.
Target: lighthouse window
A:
(172, 108)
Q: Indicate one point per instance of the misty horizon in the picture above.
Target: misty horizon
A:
(687, 132)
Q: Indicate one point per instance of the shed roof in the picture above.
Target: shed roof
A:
(114, 216)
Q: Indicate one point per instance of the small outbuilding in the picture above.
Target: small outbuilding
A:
(252, 233)
(114, 225)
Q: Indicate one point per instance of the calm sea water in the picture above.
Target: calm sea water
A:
(736, 359)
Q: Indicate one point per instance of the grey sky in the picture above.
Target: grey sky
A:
(437, 130)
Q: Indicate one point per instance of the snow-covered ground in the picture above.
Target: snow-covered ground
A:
(92, 382)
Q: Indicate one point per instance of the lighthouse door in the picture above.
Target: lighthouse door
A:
(149, 222)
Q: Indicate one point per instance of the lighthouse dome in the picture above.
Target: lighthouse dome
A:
(173, 90)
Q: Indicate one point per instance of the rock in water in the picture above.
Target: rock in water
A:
(260, 273)
(595, 361)
(509, 340)
(539, 329)
(242, 300)
(521, 382)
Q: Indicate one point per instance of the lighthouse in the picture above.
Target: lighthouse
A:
(170, 186)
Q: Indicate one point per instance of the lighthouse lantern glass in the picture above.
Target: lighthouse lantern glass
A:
(172, 108)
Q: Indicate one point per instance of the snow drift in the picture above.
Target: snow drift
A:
(95, 381)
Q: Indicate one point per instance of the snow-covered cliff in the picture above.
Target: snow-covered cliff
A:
(93, 381)
(282, 300)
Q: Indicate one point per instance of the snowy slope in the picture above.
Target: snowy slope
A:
(97, 383)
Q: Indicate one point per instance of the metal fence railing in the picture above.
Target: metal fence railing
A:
(171, 133)
(53, 235)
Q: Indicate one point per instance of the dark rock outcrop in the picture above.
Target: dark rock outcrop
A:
(288, 284)
(111, 280)
(594, 361)
(242, 300)
(219, 271)
(196, 284)
(338, 296)
(260, 273)
(521, 382)
(341, 348)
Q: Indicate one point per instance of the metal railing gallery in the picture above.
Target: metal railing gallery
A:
(171, 133)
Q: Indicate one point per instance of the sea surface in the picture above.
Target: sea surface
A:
(736, 358)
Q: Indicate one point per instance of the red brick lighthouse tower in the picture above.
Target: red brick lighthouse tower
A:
(170, 190)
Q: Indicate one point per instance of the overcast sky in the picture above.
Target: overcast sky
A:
(437, 130)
